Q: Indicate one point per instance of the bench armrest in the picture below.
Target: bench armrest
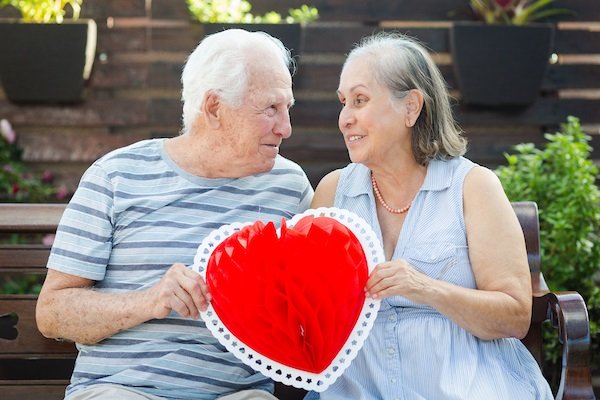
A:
(568, 313)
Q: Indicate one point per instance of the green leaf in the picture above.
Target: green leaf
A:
(561, 179)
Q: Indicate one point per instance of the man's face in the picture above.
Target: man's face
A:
(254, 131)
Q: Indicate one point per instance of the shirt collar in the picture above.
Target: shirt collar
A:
(439, 177)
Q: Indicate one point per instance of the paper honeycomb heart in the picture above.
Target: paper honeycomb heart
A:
(290, 303)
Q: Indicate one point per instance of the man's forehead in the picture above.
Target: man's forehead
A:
(271, 95)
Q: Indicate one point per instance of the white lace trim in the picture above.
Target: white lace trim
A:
(291, 376)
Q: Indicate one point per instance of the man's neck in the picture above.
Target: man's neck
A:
(196, 157)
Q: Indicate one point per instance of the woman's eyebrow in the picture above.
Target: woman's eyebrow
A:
(353, 88)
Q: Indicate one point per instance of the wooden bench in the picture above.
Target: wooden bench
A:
(33, 367)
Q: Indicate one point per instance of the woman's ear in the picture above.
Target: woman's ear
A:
(211, 108)
(414, 104)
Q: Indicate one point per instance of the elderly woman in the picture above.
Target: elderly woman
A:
(455, 286)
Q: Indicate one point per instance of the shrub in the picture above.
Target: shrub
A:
(45, 11)
(561, 179)
(238, 11)
(18, 185)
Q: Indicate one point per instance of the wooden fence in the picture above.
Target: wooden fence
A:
(134, 92)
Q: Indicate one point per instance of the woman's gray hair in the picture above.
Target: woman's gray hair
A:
(219, 64)
(400, 63)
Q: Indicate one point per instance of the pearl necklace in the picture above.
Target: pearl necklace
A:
(383, 203)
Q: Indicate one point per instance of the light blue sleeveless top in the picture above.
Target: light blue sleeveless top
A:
(413, 352)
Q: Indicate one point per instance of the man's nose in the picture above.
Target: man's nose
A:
(283, 127)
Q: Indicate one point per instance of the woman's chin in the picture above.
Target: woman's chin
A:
(355, 157)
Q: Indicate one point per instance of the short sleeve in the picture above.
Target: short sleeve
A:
(83, 241)
(307, 195)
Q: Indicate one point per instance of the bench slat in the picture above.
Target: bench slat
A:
(29, 340)
(21, 390)
(20, 258)
(30, 218)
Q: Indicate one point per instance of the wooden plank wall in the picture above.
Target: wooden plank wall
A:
(134, 90)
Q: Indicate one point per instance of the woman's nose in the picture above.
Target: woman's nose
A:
(346, 118)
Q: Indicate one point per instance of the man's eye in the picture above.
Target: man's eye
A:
(271, 110)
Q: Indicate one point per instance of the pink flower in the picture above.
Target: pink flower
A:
(48, 239)
(62, 192)
(7, 131)
(503, 3)
(515, 12)
(47, 177)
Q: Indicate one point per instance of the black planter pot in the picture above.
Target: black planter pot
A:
(46, 63)
(500, 65)
(289, 34)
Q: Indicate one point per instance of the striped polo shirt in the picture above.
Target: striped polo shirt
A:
(134, 214)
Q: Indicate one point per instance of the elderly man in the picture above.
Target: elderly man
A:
(119, 282)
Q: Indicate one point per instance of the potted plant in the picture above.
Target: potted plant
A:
(218, 15)
(47, 54)
(500, 60)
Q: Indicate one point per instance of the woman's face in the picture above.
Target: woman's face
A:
(373, 128)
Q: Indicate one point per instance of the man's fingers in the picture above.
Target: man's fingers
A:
(179, 306)
(186, 291)
(197, 289)
(188, 309)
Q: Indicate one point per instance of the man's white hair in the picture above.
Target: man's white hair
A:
(219, 64)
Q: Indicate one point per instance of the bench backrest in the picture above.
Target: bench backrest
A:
(44, 365)
(31, 366)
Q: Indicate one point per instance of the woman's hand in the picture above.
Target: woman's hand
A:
(396, 278)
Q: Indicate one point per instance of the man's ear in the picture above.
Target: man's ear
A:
(414, 104)
(211, 108)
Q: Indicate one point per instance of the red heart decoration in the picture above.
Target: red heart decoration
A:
(291, 304)
(294, 298)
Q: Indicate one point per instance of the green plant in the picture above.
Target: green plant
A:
(19, 185)
(238, 11)
(16, 183)
(561, 179)
(28, 284)
(45, 11)
(514, 12)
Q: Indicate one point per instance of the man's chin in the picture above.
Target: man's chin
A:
(265, 166)
(268, 166)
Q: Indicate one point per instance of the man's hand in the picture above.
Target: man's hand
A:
(181, 290)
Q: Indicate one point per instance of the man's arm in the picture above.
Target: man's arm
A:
(69, 308)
